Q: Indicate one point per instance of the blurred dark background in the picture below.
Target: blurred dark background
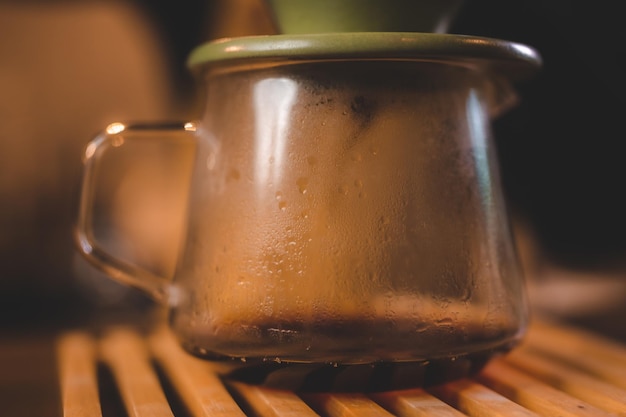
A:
(560, 148)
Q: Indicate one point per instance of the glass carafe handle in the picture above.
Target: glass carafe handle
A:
(117, 136)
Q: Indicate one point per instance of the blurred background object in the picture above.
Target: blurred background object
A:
(69, 68)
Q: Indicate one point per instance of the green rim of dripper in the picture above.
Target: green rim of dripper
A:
(509, 59)
(388, 30)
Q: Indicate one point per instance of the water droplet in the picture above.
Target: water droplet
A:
(358, 183)
(343, 190)
(421, 327)
(446, 321)
(234, 174)
(282, 205)
(374, 150)
(467, 293)
(357, 157)
(302, 183)
(279, 195)
(243, 360)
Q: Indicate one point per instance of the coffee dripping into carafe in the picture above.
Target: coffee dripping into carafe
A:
(344, 202)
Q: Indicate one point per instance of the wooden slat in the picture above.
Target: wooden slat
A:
(579, 384)
(346, 405)
(557, 371)
(582, 341)
(194, 380)
(534, 394)
(477, 400)
(268, 402)
(76, 356)
(126, 354)
(584, 355)
(415, 403)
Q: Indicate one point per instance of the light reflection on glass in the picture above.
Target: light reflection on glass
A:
(273, 99)
(115, 128)
(90, 150)
(478, 134)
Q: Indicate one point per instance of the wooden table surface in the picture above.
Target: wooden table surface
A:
(557, 371)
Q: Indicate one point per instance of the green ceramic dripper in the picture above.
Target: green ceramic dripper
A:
(329, 16)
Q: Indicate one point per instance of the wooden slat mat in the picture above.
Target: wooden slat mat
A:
(557, 371)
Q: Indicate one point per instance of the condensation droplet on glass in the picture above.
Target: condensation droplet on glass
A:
(446, 321)
(234, 174)
(467, 293)
(279, 195)
(357, 157)
(358, 183)
(302, 184)
(374, 150)
(421, 327)
(343, 190)
(282, 205)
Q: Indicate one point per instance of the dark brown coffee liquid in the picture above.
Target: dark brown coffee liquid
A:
(386, 348)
